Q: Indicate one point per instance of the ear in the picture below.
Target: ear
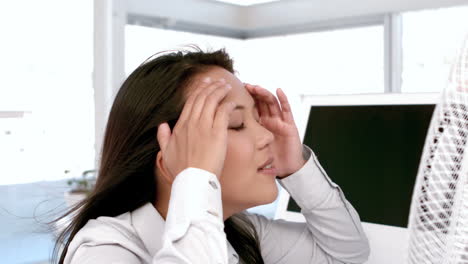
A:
(161, 170)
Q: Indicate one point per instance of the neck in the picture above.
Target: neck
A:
(163, 194)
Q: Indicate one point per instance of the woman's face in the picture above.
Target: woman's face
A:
(242, 185)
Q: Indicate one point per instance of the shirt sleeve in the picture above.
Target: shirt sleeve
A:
(332, 233)
(194, 230)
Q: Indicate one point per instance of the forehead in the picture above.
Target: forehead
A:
(238, 93)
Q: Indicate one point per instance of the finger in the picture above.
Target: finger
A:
(221, 120)
(257, 106)
(199, 102)
(262, 109)
(286, 108)
(211, 104)
(249, 86)
(262, 105)
(270, 99)
(199, 87)
(163, 135)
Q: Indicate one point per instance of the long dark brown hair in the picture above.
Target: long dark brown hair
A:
(151, 95)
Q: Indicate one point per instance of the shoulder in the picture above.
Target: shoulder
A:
(107, 232)
(261, 223)
(272, 229)
(105, 229)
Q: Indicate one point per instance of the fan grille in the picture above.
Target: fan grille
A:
(438, 224)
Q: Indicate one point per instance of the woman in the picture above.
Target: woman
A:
(188, 147)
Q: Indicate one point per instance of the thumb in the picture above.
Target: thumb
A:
(164, 133)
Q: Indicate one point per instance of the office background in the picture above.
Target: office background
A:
(62, 63)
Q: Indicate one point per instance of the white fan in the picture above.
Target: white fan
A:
(438, 222)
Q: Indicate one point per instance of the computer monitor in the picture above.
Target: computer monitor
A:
(370, 145)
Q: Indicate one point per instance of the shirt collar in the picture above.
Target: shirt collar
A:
(149, 226)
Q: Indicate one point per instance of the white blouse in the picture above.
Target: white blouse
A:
(194, 229)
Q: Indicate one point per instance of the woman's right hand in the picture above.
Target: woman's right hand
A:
(199, 138)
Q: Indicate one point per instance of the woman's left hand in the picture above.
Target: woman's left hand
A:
(287, 146)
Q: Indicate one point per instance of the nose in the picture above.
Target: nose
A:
(265, 137)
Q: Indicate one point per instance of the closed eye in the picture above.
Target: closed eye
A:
(242, 126)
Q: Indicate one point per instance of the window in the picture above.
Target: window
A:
(431, 39)
(46, 66)
(46, 117)
(345, 61)
(333, 62)
(142, 42)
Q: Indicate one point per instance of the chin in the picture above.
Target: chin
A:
(274, 194)
(268, 197)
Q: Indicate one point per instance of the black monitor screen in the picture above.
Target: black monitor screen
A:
(372, 153)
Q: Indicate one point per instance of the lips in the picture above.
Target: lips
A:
(267, 162)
